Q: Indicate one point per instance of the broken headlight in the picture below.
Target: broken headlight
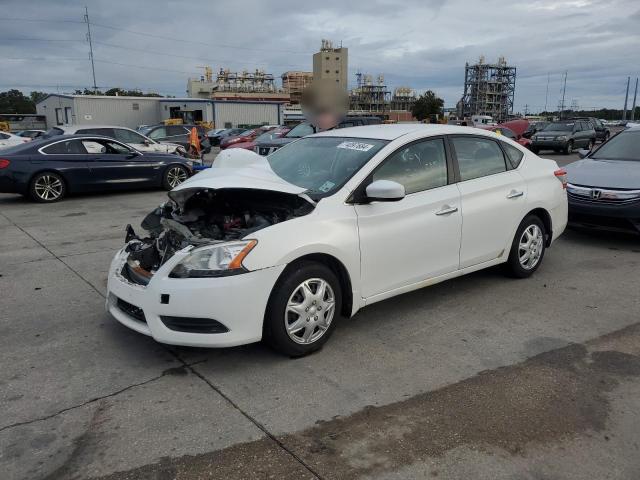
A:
(215, 260)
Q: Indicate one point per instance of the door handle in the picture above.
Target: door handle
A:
(446, 210)
(515, 194)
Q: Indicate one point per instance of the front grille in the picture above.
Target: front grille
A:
(193, 325)
(604, 196)
(131, 310)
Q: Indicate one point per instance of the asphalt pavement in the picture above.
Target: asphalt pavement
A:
(479, 377)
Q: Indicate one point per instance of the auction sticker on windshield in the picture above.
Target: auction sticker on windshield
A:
(361, 147)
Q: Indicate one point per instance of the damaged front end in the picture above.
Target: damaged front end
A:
(211, 224)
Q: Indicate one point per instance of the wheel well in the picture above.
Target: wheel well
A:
(341, 272)
(543, 215)
(64, 179)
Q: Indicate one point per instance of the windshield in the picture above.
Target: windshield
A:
(624, 146)
(53, 132)
(145, 131)
(301, 130)
(559, 127)
(323, 164)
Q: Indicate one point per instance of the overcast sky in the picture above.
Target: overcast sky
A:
(423, 44)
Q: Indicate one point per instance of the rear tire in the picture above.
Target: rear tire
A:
(47, 187)
(303, 309)
(527, 249)
(173, 176)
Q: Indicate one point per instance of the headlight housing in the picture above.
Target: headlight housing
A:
(561, 137)
(214, 260)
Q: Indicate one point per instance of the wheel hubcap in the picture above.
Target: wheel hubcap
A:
(176, 176)
(309, 311)
(48, 187)
(530, 247)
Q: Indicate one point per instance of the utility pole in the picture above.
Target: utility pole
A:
(93, 68)
(546, 96)
(626, 99)
(564, 91)
(633, 108)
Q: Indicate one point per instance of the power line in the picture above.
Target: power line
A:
(195, 42)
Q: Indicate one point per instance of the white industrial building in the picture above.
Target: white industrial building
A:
(131, 112)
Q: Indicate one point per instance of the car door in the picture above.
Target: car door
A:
(418, 237)
(115, 165)
(69, 158)
(492, 198)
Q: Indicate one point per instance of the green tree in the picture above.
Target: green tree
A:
(426, 105)
(14, 101)
(37, 96)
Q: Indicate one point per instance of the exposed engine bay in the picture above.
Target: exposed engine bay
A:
(205, 217)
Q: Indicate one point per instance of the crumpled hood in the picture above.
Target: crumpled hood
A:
(235, 168)
(604, 173)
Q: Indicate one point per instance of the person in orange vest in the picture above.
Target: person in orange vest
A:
(194, 143)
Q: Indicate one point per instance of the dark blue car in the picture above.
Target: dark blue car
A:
(48, 170)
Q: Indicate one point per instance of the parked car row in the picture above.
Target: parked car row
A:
(48, 169)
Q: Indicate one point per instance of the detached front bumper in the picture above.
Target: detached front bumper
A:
(177, 310)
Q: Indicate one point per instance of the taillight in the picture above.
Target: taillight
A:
(561, 175)
(4, 163)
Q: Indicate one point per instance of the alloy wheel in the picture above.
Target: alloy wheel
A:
(175, 176)
(530, 247)
(310, 311)
(48, 187)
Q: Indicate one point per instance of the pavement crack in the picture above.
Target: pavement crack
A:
(167, 372)
(57, 257)
(249, 417)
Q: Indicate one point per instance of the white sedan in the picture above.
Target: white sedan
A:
(279, 247)
(10, 140)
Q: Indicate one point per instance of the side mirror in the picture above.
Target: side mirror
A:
(131, 155)
(583, 152)
(385, 191)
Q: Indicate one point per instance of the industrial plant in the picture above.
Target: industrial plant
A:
(489, 89)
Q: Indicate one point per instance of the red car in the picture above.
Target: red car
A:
(246, 136)
(268, 135)
(512, 129)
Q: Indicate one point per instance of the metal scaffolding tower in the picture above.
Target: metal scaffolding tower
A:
(370, 96)
(489, 89)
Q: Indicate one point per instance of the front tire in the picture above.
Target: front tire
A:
(569, 148)
(47, 187)
(527, 249)
(174, 176)
(303, 309)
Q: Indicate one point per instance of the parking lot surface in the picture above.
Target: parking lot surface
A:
(480, 377)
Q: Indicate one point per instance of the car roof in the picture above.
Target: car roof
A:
(73, 128)
(394, 131)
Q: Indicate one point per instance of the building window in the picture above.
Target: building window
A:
(59, 116)
(67, 115)
(136, 106)
(326, 71)
(337, 80)
(337, 72)
(337, 59)
(327, 58)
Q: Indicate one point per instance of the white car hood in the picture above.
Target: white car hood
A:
(236, 168)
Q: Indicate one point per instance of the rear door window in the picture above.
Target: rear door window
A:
(127, 136)
(478, 157)
(157, 133)
(69, 147)
(514, 155)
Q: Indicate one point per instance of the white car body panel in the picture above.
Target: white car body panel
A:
(386, 248)
(12, 140)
